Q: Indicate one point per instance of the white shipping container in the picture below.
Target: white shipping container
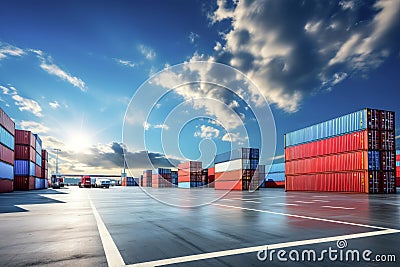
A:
(229, 166)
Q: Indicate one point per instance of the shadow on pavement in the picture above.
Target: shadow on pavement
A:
(9, 201)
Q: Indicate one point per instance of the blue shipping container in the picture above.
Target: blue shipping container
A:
(38, 143)
(277, 167)
(353, 122)
(241, 153)
(161, 171)
(6, 138)
(374, 161)
(6, 171)
(39, 183)
(190, 184)
(39, 159)
(276, 177)
(24, 168)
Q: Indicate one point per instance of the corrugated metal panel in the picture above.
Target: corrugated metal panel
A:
(24, 168)
(38, 159)
(161, 171)
(387, 140)
(241, 153)
(25, 138)
(6, 171)
(277, 176)
(6, 138)
(39, 183)
(6, 185)
(38, 143)
(330, 163)
(38, 171)
(374, 160)
(235, 175)
(25, 152)
(388, 160)
(231, 185)
(277, 167)
(7, 122)
(24, 183)
(6, 155)
(229, 166)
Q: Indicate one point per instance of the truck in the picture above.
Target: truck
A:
(102, 183)
(57, 182)
(85, 182)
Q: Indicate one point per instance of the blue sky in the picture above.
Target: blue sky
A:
(68, 70)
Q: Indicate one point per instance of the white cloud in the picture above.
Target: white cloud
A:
(193, 37)
(346, 4)
(54, 104)
(207, 132)
(125, 62)
(146, 126)
(27, 104)
(148, 52)
(53, 69)
(397, 137)
(34, 127)
(9, 50)
(312, 27)
(231, 137)
(8, 91)
(161, 126)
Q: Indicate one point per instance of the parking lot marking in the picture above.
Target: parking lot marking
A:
(252, 201)
(303, 217)
(233, 252)
(113, 256)
(305, 202)
(343, 208)
(286, 204)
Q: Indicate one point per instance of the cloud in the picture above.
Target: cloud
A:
(8, 91)
(148, 52)
(125, 62)
(34, 127)
(147, 126)
(231, 137)
(24, 104)
(193, 37)
(294, 49)
(9, 50)
(53, 69)
(207, 132)
(54, 104)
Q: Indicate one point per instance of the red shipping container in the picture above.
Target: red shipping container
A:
(273, 184)
(6, 155)
(398, 157)
(330, 163)
(211, 171)
(343, 182)
(25, 138)
(387, 140)
(45, 155)
(228, 176)
(7, 122)
(228, 185)
(388, 160)
(24, 183)
(374, 140)
(38, 171)
(339, 144)
(387, 120)
(373, 119)
(6, 185)
(25, 152)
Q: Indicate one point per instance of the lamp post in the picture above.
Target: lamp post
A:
(57, 150)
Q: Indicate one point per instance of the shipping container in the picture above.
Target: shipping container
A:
(6, 171)
(24, 168)
(6, 155)
(247, 164)
(25, 152)
(274, 184)
(38, 144)
(276, 177)
(190, 184)
(25, 138)
(6, 185)
(24, 182)
(38, 171)
(7, 122)
(38, 159)
(354, 122)
(241, 153)
(40, 183)
(277, 167)
(232, 185)
(6, 138)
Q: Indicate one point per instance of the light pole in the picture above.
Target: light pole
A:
(57, 150)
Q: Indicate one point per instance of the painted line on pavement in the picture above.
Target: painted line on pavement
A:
(233, 252)
(305, 202)
(343, 208)
(286, 204)
(113, 256)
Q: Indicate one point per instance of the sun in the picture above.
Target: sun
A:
(78, 141)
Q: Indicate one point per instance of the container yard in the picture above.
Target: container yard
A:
(352, 153)
(7, 146)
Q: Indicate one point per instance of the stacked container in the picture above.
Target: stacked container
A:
(7, 133)
(204, 176)
(397, 167)
(211, 177)
(174, 178)
(25, 160)
(352, 153)
(40, 182)
(161, 178)
(190, 174)
(276, 176)
(147, 178)
(239, 170)
(128, 181)
(45, 167)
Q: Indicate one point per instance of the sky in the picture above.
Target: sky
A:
(97, 78)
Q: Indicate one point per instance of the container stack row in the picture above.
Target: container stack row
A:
(190, 174)
(128, 181)
(161, 178)
(174, 178)
(7, 153)
(239, 170)
(211, 177)
(397, 167)
(25, 160)
(352, 153)
(45, 167)
(40, 181)
(276, 176)
(147, 178)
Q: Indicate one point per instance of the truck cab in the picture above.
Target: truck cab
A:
(102, 183)
(85, 182)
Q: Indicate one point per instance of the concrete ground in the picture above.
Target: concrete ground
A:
(161, 227)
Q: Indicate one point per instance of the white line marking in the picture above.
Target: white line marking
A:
(305, 202)
(232, 252)
(286, 204)
(113, 256)
(343, 208)
(318, 200)
(304, 217)
(252, 201)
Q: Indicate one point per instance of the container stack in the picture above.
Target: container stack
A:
(397, 167)
(189, 174)
(276, 176)
(147, 178)
(211, 177)
(161, 178)
(352, 153)
(45, 167)
(128, 181)
(239, 170)
(174, 178)
(25, 160)
(40, 182)
(141, 180)
(7, 133)
(204, 176)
